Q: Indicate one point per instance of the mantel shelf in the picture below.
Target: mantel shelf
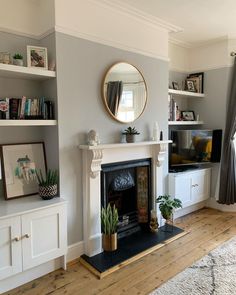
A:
(28, 123)
(185, 122)
(12, 71)
(185, 93)
(122, 145)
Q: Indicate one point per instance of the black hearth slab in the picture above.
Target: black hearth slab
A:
(131, 246)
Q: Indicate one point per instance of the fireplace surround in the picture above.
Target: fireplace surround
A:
(94, 157)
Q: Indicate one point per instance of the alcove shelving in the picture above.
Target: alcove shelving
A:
(26, 73)
(185, 96)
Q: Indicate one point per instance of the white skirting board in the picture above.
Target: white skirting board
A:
(74, 251)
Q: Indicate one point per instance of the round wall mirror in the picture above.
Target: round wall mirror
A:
(124, 92)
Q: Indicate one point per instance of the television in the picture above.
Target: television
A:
(194, 147)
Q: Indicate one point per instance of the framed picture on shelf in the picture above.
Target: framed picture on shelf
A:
(198, 79)
(37, 57)
(175, 85)
(19, 165)
(190, 86)
(188, 115)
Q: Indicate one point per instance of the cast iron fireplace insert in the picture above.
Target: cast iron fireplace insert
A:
(128, 186)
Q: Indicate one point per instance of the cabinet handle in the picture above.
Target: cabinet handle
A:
(27, 236)
(196, 184)
(16, 239)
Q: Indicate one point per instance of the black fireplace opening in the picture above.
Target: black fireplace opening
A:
(127, 185)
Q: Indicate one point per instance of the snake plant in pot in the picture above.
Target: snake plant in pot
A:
(47, 184)
(109, 222)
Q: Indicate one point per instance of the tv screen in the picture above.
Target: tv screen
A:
(191, 147)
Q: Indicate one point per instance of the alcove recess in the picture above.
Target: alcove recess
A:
(33, 83)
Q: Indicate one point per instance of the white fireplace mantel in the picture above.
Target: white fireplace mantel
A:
(93, 159)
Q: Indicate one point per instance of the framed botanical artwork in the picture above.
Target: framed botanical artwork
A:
(37, 57)
(188, 115)
(19, 165)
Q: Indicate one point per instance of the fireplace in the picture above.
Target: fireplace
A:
(127, 185)
(96, 162)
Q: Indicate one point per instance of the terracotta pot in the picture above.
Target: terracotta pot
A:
(48, 192)
(109, 242)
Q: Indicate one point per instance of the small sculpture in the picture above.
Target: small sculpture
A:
(93, 138)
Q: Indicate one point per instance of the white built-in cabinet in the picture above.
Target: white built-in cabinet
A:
(191, 187)
(32, 232)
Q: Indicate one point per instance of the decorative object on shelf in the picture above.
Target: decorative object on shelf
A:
(19, 164)
(130, 134)
(188, 115)
(153, 221)
(5, 58)
(167, 205)
(161, 135)
(190, 86)
(175, 85)
(37, 57)
(48, 184)
(18, 59)
(4, 108)
(109, 222)
(124, 92)
(198, 80)
(156, 132)
(93, 138)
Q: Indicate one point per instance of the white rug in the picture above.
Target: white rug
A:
(214, 274)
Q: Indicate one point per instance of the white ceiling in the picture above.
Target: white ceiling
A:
(201, 20)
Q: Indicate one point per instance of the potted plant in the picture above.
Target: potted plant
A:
(109, 221)
(130, 134)
(47, 184)
(167, 204)
(18, 59)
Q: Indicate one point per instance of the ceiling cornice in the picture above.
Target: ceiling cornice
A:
(138, 14)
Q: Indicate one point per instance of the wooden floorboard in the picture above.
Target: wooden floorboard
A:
(208, 229)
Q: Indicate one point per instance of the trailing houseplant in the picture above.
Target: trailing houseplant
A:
(47, 184)
(109, 222)
(130, 134)
(167, 205)
(18, 59)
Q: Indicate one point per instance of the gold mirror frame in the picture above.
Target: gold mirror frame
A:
(105, 97)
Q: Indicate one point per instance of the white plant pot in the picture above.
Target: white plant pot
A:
(18, 62)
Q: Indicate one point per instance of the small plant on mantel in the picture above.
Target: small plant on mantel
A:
(18, 59)
(167, 204)
(109, 222)
(130, 134)
(47, 184)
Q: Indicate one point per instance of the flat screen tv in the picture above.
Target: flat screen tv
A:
(194, 147)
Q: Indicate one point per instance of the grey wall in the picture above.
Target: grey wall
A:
(81, 66)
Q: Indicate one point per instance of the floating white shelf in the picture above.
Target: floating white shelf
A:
(185, 93)
(28, 122)
(12, 71)
(185, 122)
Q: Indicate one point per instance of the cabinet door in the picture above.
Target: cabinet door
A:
(44, 235)
(201, 186)
(180, 187)
(10, 247)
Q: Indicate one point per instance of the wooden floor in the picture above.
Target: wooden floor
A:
(208, 229)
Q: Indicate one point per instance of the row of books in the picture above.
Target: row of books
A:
(26, 108)
(173, 109)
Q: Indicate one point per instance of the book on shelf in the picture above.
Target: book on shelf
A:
(26, 108)
(4, 108)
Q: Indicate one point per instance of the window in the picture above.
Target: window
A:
(126, 107)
